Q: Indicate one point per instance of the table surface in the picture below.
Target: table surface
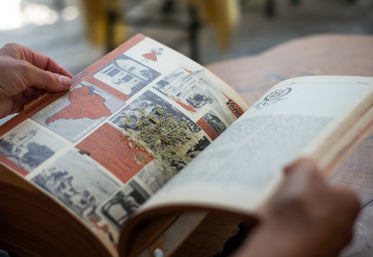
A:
(327, 54)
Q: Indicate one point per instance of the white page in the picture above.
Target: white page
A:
(243, 164)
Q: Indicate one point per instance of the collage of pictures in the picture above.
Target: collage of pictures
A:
(82, 148)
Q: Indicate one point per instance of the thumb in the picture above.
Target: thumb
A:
(46, 80)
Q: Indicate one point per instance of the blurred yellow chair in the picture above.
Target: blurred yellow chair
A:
(221, 15)
(106, 25)
(104, 22)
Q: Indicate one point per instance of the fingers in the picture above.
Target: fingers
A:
(334, 207)
(348, 202)
(303, 165)
(302, 183)
(37, 59)
(25, 67)
(31, 93)
(309, 214)
(304, 178)
(348, 195)
(45, 80)
(43, 62)
(25, 74)
(10, 105)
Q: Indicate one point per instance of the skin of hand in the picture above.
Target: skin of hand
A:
(306, 217)
(26, 74)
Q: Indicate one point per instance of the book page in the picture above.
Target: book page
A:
(132, 120)
(239, 170)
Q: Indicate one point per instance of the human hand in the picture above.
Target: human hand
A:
(25, 75)
(306, 217)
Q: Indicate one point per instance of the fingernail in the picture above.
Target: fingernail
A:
(65, 81)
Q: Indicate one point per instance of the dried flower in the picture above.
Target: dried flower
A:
(166, 138)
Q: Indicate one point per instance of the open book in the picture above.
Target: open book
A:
(148, 143)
